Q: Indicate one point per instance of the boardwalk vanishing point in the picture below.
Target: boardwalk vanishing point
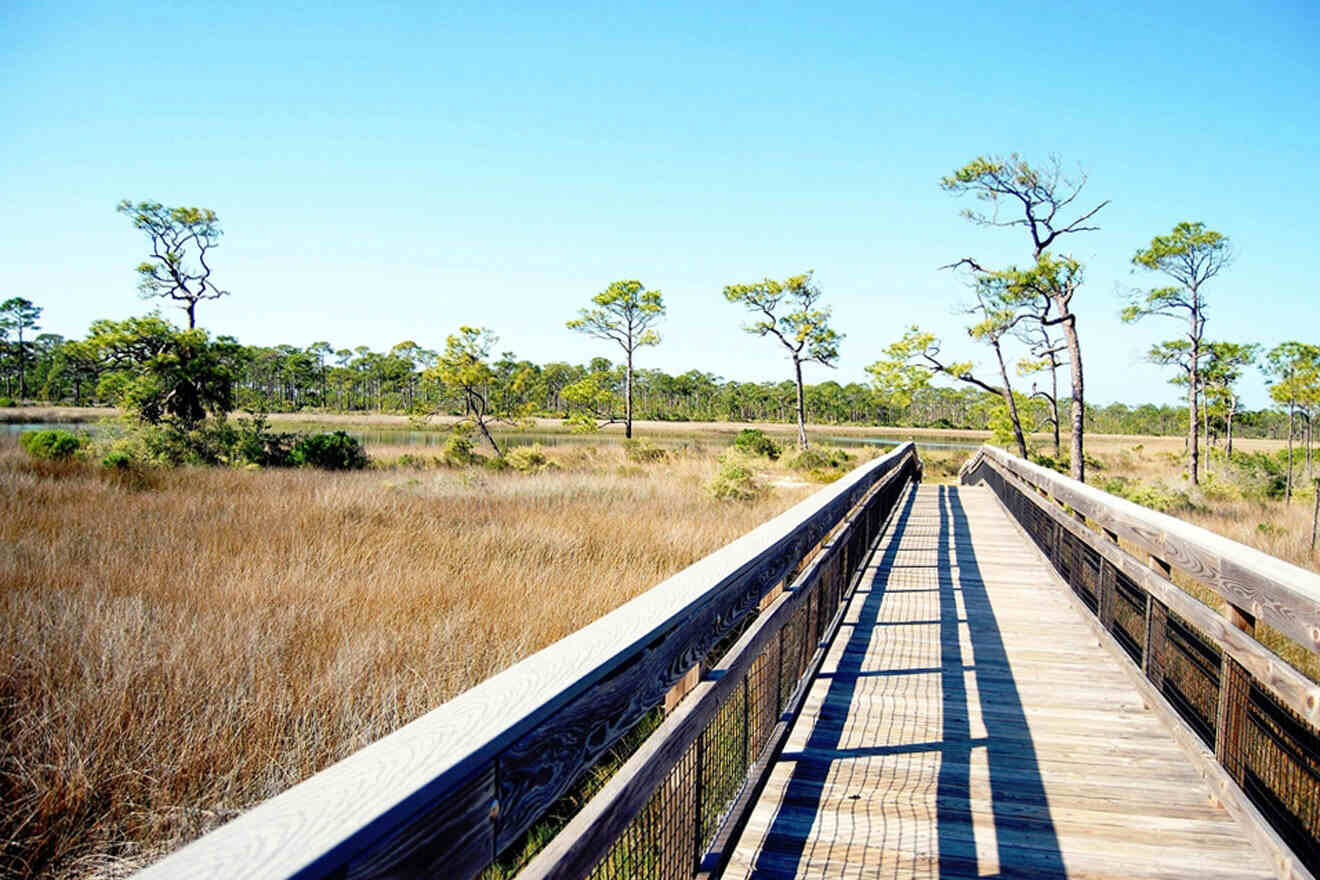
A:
(967, 723)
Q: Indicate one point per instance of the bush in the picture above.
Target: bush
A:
(255, 443)
(331, 451)
(821, 458)
(7, 402)
(495, 463)
(458, 450)
(736, 482)
(641, 452)
(118, 460)
(528, 459)
(56, 444)
(753, 441)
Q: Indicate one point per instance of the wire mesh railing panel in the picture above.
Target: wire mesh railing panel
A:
(763, 698)
(792, 654)
(1088, 576)
(724, 763)
(1129, 626)
(1280, 755)
(658, 844)
(1065, 560)
(1190, 664)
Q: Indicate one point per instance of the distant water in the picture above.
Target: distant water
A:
(425, 439)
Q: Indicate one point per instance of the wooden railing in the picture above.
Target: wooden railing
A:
(446, 794)
(1246, 715)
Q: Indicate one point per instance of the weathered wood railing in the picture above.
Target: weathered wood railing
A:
(1248, 716)
(449, 792)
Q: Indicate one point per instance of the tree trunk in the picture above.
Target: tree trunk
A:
(1287, 495)
(1054, 401)
(1315, 513)
(1012, 404)
(1078, 406)
(1308, 446)
(627, 399)
(479, 416)
(801, 411)
(192, 318)
(1232, 408)
(22, 365)
(1193, 393)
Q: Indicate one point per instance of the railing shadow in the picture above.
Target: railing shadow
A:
(890, 773)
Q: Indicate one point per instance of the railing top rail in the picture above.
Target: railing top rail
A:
(1282, 594)
(309, 829)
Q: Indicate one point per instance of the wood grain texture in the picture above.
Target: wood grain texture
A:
(338, 816)
(967, 722)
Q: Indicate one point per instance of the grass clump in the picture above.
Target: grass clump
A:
(641, 452)
(823, 464)
(528, 459)
(735, 481)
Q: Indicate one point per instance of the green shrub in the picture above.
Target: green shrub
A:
(736, 482)
(821, 458)
(7, 402)
(528, 459)
(255, 443)
(458, 449)
(1161, 498)
(641, 452)
(335, 451)
(495, 463)
(117, 460)
(753, 441)
(53, 444)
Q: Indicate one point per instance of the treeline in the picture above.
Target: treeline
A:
(323, 378)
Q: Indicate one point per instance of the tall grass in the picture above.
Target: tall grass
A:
(176, 646)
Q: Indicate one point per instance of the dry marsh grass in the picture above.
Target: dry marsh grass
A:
(176, 648)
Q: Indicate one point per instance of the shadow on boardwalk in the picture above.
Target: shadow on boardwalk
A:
(1026, 843)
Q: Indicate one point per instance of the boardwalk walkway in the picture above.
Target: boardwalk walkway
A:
(967, 723)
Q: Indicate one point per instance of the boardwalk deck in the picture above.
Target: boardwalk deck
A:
(967, 723)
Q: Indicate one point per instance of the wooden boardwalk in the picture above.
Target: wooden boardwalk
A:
(967, 723)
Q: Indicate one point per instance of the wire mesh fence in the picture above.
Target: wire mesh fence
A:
(692, 801)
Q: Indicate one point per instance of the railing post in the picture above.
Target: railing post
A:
(1234, 691)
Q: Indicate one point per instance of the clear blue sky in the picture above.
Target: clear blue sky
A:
(390, 172)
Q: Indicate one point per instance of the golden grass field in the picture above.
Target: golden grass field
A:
(177, 651)
(180, 645)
